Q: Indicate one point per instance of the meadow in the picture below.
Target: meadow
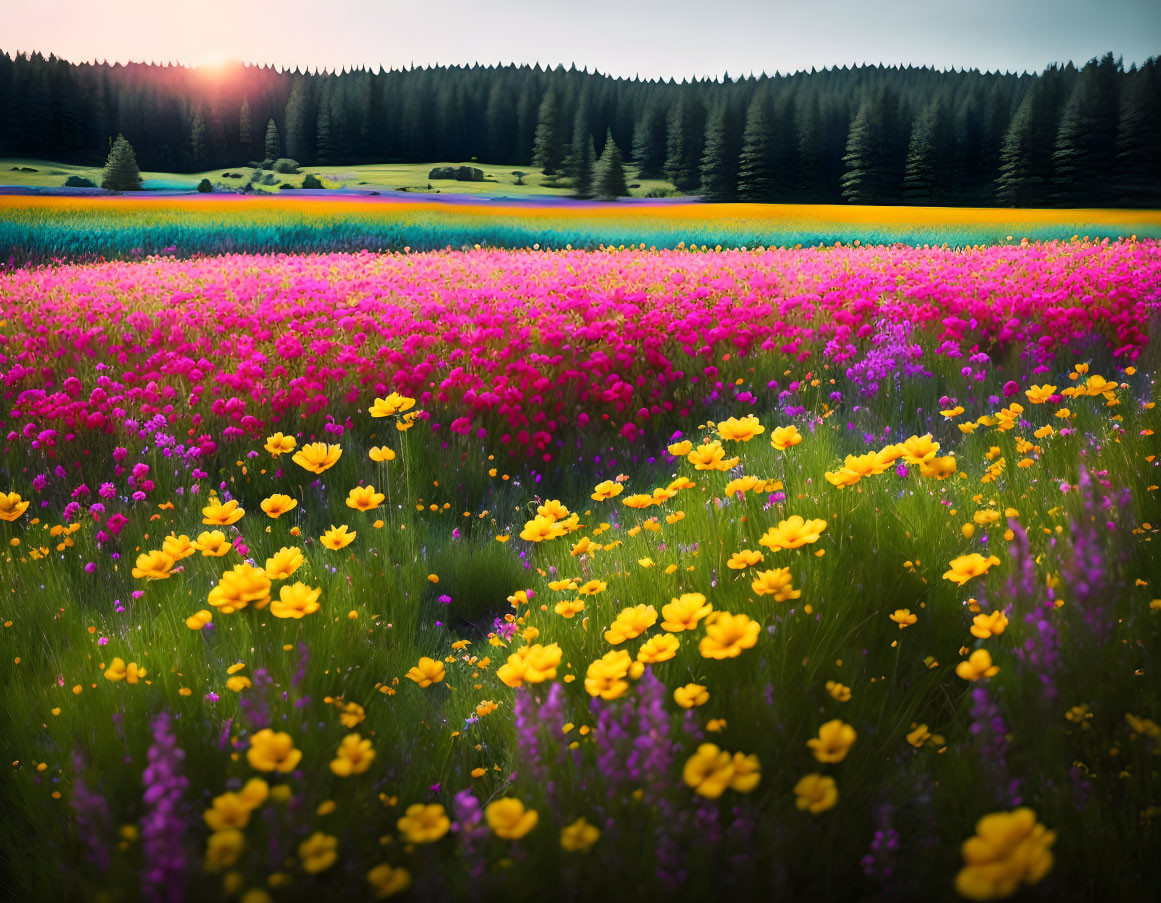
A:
(683, 573)
(43, 229)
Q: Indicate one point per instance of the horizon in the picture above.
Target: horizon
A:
(648, 39)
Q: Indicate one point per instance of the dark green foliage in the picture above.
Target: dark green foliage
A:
(609, 177)
(273, 143)
(285, 165)
(79, 182)
(205, 186)
(459, 173)
(581, 154)
(719, 177)
(1085, 135)
(310, 180)
(121, 172)
(548, 146)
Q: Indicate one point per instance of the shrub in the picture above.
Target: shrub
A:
(79, 182)
(269, 179)
(284, 186)
(266, 164)
(285, 165)
(205, 187)
(459, 173)
(519, 176)
(312, 181)
(661, 193)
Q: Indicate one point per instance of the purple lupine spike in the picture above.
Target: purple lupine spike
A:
(94, 823)
(163, 825)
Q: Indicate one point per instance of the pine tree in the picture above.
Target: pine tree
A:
(610, 172)
(1026, 155)
(755, 178)
(718, 176)
(296, 112)
(198, 143)
(928, 157)
(866, 178)
(810, 183)
(685, 137)
(579, 166)
(649, 142)
(273, 144)
(245, 126)
(1138, 169)
(323, 147)
(121, 172)
(1085, 150)
(547, 148)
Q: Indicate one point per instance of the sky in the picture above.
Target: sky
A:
(649, 38)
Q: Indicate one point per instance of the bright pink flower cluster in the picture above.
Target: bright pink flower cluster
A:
(517, 340)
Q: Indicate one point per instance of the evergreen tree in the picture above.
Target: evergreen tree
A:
(323, 148)
(610, 172)
(866, 179)
(684, 143)
(1138, 170)
(755, 178)
(649, 142)
(811, 182)
(547, 148)
(296, 113)
(500, 124)
(198, 142)
(245, 127)
(272, 143)
(1025, 158)
(718, 176)
(928, 157)
(579, 166)
(1085, 149)
(121, 172)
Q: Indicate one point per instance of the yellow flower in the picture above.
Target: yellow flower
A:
(279, 444)
(792, 533)
(918, 449)
(230, 810)
(318, 852)
(508, 818)
(569, 608)
(255, 793)
(541, 528)
(726, 635)
(680, 449)
(424, 823)
(337, 537)
(427, 672)
(747, 773)
(487, 707)
(838, 691)
(296, 601)
(707, 457)
(224, 848)
(222, 515)
(815, 793)
(1040, 394)
(238, 683)
(284, 562)
(153, 566)
(364, 498)
(708, 771)
(178, 546)
(530, 664)
(11, 506)
(977, 666)
(775, 583)
(988, 625)
(387, 881)
(785, 437)
(317, 456)
(660, 648)
(691, 695)
(353, 714)
(739, 561)
(638, 501)
(355, 756)
(605, 677)
(903, 617)
(966, 567)
(919, 736)
(1009, 850)
(277, 505)
(240, 586)
(381, 453)
(630, 623)
(270, 751)
(392, 404)
(939, 468)
(118, 671)
(198, 620)
(740, 429)
(606, 490)
(212, 544)
(834, 741)
(579, 836)
(685, 612)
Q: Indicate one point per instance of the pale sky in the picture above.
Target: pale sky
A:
(651, 38)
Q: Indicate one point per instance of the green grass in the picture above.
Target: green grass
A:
(499, 180)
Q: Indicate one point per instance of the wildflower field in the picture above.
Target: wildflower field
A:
(804, 573)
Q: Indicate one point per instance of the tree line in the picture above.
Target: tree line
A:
(1068, 136)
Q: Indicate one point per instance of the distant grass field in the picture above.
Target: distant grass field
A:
(39, 229)
(371, 176)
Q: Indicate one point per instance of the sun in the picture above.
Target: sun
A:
(212, 61)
